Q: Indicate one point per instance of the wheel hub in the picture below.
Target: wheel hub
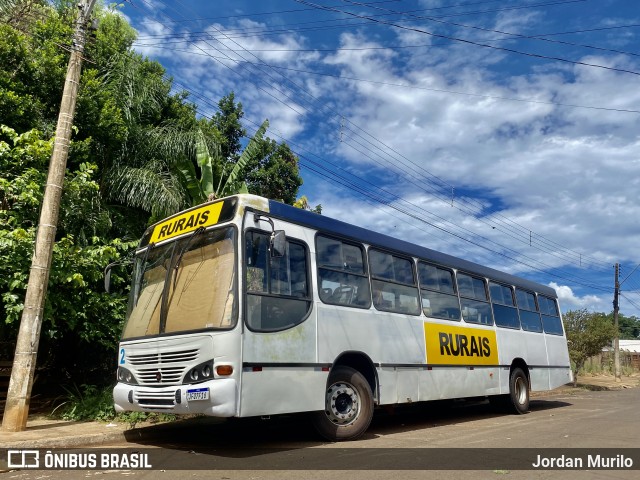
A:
(521, 391)
(343, 404)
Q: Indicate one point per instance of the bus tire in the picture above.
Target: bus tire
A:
(518, 391)
(348, 406)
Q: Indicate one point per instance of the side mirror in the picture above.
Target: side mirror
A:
(278, 243)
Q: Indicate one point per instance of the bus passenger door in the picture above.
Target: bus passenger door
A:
(280, 370)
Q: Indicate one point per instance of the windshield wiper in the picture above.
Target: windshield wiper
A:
(143, 264)
(189, 242)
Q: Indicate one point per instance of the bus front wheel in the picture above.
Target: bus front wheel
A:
(348, 406)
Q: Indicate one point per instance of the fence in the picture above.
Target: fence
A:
(604, 361)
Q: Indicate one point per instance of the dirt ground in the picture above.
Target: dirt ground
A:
(608, 382)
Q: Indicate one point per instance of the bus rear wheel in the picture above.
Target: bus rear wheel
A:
(518, 391)
(348, 406)
(517, 400)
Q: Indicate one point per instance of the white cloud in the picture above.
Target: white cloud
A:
(570, 301)
(566, 173)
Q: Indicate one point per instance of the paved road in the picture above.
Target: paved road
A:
(284, 448)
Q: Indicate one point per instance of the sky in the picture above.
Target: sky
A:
(503, 132)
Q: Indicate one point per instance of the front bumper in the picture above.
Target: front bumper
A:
(222, 402)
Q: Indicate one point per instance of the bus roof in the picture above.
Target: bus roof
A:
(352, 232)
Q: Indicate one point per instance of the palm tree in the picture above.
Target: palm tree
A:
(202, 189)
(155, 166)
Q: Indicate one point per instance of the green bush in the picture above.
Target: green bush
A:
(87, 402)
(93, 403)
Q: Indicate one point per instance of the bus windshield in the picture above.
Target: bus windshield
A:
(186, 285)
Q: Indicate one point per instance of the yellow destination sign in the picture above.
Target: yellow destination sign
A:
(187, 222)
(453, 345)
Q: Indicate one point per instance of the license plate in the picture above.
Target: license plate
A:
(198, 394)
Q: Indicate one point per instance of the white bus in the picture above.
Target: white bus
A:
(248, 307)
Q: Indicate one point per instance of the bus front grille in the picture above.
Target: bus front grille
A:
(155, 400)
(160, 376)
(163, 357)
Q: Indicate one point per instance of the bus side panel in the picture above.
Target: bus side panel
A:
(558, 358)
(287, 377)
(293, 345)
(388, 383)
(408, 384)
(411, 384)
(530, 347)
(275, 390)
(459, 382)
(398, 339)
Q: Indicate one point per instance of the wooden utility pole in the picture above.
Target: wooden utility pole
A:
(616, 339)
(19, 393)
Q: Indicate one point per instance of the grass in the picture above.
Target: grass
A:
(93, 403)
(605, 369)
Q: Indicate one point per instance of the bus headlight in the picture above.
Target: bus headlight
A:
(199, 373)
(125, 376)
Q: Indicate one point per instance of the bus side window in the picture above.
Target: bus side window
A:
(439, 298)
(342, 276)
(278, 289)
(529, 316)
(551, 322)
(474, 300)
(394, 278)
(504, 308)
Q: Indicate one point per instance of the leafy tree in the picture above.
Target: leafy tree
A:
(227, 122)
(213, 174)
(137, 152)
(303, 203)
(271, 171)
(629, 326)
(587, 333)
(70, 325)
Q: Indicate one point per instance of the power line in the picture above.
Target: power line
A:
(262, 14)
(298, 10)
(397, 198)
(511, 34)
(379, 195)
(391, 200)
(403, 85)
(632, 272)
(443, 220)
(578, 256)
(470, 42)
(528, 232)
(630, 301)
(247, 32)
(589, 30)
